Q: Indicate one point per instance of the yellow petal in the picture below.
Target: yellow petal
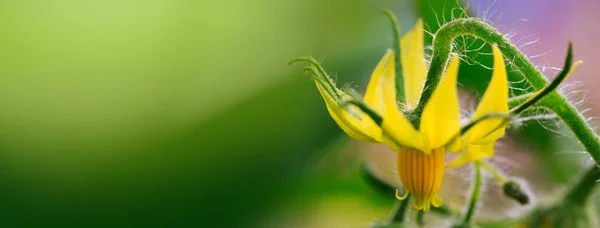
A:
(357, 124)
(495, 100)
(456, 144)
(473, 153)
(397, 130)
(383, 76)
(414, 67)
(440, 120)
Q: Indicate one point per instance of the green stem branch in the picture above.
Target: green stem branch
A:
(499, 176)
(474, 196)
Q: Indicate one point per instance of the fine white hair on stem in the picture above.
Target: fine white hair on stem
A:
(523, 90)
(529, 43)
(578, 98)
(521, 120)
(522, 39)
(469, 48)
(541, 54)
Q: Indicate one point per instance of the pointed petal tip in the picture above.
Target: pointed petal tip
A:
(575, 64)
(382, 83)
(414, 67)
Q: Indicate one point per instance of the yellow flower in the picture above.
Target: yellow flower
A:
(421, 151)
(351, 120)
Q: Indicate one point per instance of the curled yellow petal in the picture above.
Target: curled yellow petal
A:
(414, 67)
(403, 197)
(440, 120)
(351, 120)
(474, 152)
(495, 100)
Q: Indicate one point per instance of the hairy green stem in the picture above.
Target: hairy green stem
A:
(442, 47)
(575, 121)
(552, 86)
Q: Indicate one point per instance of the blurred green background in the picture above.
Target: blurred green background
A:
(176, 113)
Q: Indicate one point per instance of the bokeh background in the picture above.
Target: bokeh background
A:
(180, 113)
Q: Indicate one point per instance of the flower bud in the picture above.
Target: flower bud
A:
(514, 191)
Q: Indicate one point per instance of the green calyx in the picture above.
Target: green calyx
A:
(397, 53)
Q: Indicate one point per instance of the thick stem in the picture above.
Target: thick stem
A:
(575, 121)
(442, 46)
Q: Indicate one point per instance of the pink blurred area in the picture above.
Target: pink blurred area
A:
(544, 27)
